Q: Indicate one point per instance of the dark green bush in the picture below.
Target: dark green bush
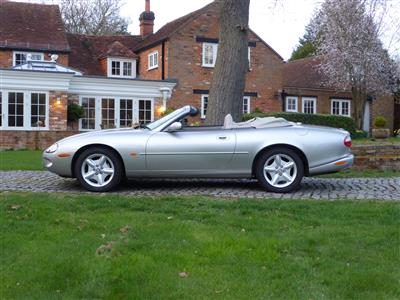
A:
(75, 112)
(311, 119)
(380, 122)
(359, 134)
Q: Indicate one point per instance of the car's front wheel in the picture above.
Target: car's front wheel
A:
(99, 169)
(280, 170)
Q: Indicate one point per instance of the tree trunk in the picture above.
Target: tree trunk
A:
(358, 105)
(228, 83)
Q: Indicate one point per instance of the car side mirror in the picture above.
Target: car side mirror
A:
(174, 127)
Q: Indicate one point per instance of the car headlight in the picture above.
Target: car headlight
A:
(53, 148)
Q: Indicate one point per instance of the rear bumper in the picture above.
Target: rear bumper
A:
(333, 167)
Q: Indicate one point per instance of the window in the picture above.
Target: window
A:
(126, 113)
(1, 109)
(89, 120)
(15, 109)
(204, 104)
(210, 51)
(249, 57)
(341, 107)
(121, 68)
(38, 110)
(309, 105)
(291, 104)
(246, 105)
(116, 68)
(153, 60)
(20, 58)
(145, 111)
(107, 113)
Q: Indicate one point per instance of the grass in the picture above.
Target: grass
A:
(21, 160)
(62, 246)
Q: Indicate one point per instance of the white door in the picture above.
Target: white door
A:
(366, 117)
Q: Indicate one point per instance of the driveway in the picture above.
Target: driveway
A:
(311, 188)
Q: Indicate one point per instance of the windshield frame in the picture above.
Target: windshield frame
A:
(167, 120)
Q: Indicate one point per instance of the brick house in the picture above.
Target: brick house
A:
(304, 91)
(43, 69)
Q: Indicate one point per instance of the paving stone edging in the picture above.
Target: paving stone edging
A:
(311, 188)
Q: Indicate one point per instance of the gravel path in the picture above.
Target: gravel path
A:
(311, 188)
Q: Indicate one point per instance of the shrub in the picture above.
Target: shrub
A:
(75, 112)
(380, 122)
(311, 119)
(359, 134)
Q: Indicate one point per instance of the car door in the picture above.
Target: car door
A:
(192, 151)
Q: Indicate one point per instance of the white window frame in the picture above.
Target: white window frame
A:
(152, 57)
(341, 101)
(110, 60)
(26, 111)
(249, 57)
(203, 55)
(296, 103)
(1, 110)
(98, 109)
(313, 99)
(26, 53)
(248, 98)
(203, 115)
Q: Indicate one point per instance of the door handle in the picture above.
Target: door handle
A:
(222, 137)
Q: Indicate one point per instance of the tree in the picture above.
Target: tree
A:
(228, 82)
(96, 17)
(354, 57)
(308, 44)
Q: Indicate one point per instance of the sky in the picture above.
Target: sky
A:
(280, 23)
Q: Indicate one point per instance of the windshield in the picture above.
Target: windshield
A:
(165, 119)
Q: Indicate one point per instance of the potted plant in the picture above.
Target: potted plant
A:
(74, 113)
(380, 132)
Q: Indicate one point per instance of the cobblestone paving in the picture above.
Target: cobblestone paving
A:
(311, 188)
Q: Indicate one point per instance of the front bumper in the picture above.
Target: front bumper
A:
(333, 167)
(56, 163)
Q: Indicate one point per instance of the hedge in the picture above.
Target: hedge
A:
(312, 119)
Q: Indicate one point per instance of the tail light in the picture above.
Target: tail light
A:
(347, 141)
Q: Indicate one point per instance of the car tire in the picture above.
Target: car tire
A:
(279, 170)
(99, 169)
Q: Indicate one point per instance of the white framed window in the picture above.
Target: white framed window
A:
(121, 68)
(246, 105)
(209, 56)
(249, 57)
(24, 110)
(204, 103)
(153, 60)
(103, 112)
(291, 104)
(309, 105)
(20, 57)
(341, 107)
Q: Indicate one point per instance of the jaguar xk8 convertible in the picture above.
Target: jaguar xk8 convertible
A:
(276, 152)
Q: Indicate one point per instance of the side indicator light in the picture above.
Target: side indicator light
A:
(133, 154)
(64, 155)
(340, 163)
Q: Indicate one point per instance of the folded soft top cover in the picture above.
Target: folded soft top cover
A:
(267, 122)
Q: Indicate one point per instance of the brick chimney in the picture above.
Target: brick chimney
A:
(146, 20)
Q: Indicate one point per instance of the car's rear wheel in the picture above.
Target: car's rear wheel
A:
(279, 170)
(99, 169)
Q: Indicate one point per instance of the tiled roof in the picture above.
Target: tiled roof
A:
(304, 73)
(86, 50)
(168, 29)
(32, 27)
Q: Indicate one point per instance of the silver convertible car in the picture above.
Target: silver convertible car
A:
(276, 152)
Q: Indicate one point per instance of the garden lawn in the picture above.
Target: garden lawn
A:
(61, 246)
(21, 160)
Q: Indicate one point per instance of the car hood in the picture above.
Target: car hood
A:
(102, 133)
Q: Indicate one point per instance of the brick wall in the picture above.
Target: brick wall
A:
(31, 139)
(58, 110)
(144, 72)
(6, 59)
(379, 157)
